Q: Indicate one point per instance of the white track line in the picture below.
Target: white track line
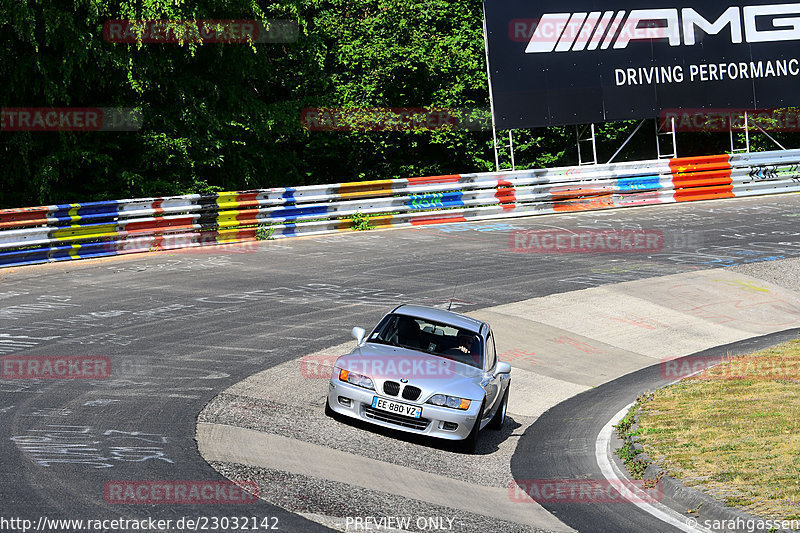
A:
(613, 474)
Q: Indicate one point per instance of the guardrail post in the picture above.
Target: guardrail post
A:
(590, 139)
(672, 136)
(746, 149)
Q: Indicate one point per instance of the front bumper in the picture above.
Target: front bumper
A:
(360, 407)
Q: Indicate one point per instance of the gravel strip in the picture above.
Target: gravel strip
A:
(321, 497)
(783, 272)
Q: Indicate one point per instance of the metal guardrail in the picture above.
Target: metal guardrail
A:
(97, 229)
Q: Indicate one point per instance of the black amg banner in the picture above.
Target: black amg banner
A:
(555, 63)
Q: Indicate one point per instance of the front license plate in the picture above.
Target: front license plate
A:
(396, 407)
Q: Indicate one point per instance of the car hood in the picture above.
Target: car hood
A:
(431, 373)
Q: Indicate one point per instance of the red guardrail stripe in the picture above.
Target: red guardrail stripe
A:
(247, 200)
(160, 223)
(26, 216)
(506, 194)
(430, 180)
(426, 221)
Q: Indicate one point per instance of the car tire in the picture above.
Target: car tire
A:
(328, 411)
(469, 444)
(499, 417)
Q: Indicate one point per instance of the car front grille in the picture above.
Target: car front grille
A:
(398, 420)
(411, 392)
(392, 388)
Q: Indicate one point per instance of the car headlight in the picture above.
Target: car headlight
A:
(356, 379)
(453, 402)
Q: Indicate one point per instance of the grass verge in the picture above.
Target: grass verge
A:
(733, 431)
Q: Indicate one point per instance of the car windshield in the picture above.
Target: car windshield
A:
(434, 338)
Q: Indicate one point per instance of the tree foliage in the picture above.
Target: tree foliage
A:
(228, 115)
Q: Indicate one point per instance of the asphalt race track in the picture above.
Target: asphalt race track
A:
(556, 444)
(182, 327)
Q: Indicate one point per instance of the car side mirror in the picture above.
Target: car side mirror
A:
(358, 335)
(502, 368)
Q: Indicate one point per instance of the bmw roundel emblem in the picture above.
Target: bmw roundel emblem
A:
(404, 380)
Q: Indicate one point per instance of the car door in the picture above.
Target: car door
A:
(492, 382)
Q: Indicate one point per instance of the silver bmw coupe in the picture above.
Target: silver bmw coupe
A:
(426, 371)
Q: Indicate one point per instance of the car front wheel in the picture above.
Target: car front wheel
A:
(500, 415)
(469, 444)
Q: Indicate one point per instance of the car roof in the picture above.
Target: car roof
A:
(440, 315)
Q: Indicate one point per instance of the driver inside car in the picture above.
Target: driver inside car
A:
(466, 350)
(467, 343)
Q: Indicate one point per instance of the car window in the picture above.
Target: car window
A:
(491, 353)
(435, 338)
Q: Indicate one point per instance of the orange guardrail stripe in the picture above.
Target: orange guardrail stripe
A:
(584, 204)
(567, 194)
(358, 189)
(703, 163)
(702, 179)
(704, 193)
